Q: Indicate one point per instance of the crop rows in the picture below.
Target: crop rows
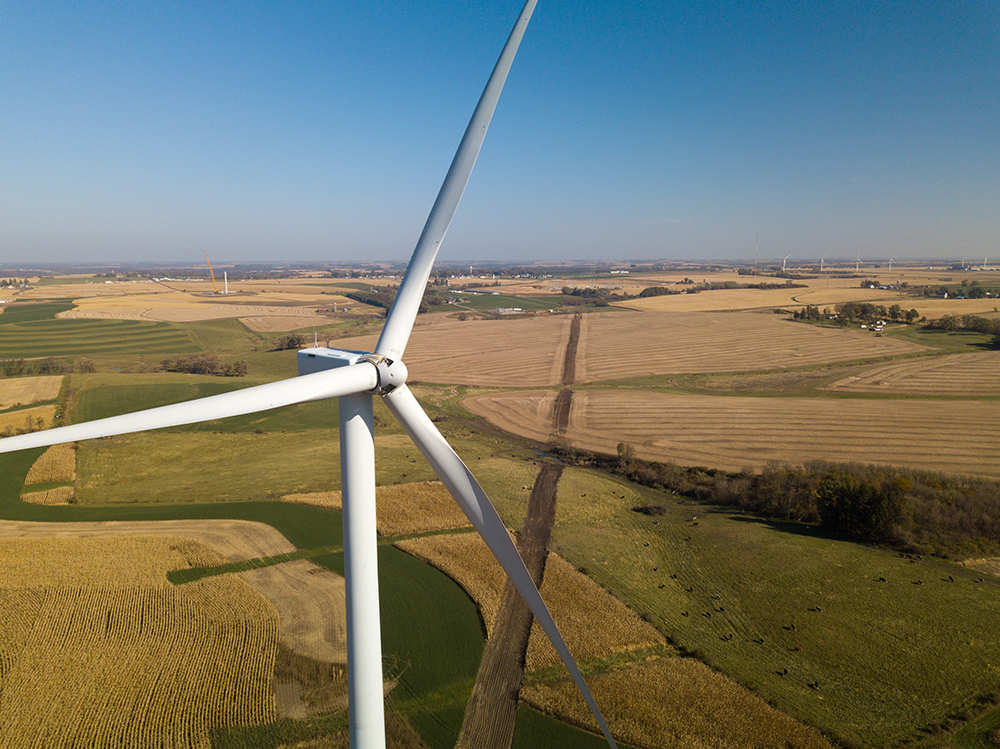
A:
(140, 667)
(92, 338)
(675, 702)
(638, 344)
(593, 623)
(734, 432)
(973, 375)
(17, 391)
(524, 352)
(58, 463)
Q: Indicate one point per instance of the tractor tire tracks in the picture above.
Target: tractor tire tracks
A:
(491, 712)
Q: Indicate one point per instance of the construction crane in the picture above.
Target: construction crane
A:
(211, 273)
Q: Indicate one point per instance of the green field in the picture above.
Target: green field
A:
(22, 313)
(41, 338)
(889, 657)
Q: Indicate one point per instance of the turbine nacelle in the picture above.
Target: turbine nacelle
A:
(391, 373)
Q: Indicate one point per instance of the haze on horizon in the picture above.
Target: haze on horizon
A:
(640, 130)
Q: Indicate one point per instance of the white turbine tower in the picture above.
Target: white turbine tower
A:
(355, 378)
(783, 261)
(857, 264)
(821, 261)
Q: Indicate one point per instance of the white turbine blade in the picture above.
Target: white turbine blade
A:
(399, 321)
(477, 506)
(329, 384)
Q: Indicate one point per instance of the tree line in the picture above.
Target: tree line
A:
(914, 511)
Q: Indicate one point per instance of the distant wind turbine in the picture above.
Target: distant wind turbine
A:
(890, 265)
(821, 262)
(783, 260)
(857, 264)
(354, 378)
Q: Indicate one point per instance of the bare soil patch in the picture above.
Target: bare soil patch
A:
(311, 606)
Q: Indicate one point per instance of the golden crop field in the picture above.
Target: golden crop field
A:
(633, 344)
(221, 540)
(527, 351)
(530, 352)
(953, 436)
(417, 507)
(593, 622)
(58, 463)
(98, 650)
(973, 374)
(23, 420)
(20, 391)
(61, 495)
(675, 702)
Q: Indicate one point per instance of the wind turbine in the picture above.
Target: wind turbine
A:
(783, 261)
(354, 378)
(821, 261)
(890, 265)
(857, 264)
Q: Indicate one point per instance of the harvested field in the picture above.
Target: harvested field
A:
(417, 507)
(231, 540)
(20, 391)
(61, 495)
(26, 419)
(675, 702)
(615, 346)
(526, 352)
(821, 295)
(58, 463)
(531, 353)
(972, 374)
(593, 623)
(955, 436)
(311, 607)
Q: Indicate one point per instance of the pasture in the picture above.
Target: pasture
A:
(892, 644)
(958, 436)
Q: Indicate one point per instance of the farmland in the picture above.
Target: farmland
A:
(758, 622)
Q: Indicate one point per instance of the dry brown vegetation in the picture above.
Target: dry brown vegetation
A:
(221, 540)
(973, 374)
(98, 650)
(675, 702)
(17, 391)
(952, 436)
(417, 507)
(593, 622)
(28, 419)
(58, 463)
(61, 495)
(527, 352)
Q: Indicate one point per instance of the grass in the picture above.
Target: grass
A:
(487, 302)
(32, 312)
(890, 657)
(40, 338)
(534, 729)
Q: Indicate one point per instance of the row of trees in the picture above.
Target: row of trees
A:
(852, 311)
(48, 366)
(205, 364)
(914, 511)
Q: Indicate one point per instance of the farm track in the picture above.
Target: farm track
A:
(490, 716)
(491, 713)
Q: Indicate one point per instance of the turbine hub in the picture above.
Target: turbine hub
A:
(391, 372)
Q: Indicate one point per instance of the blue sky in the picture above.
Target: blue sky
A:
(156, 131)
